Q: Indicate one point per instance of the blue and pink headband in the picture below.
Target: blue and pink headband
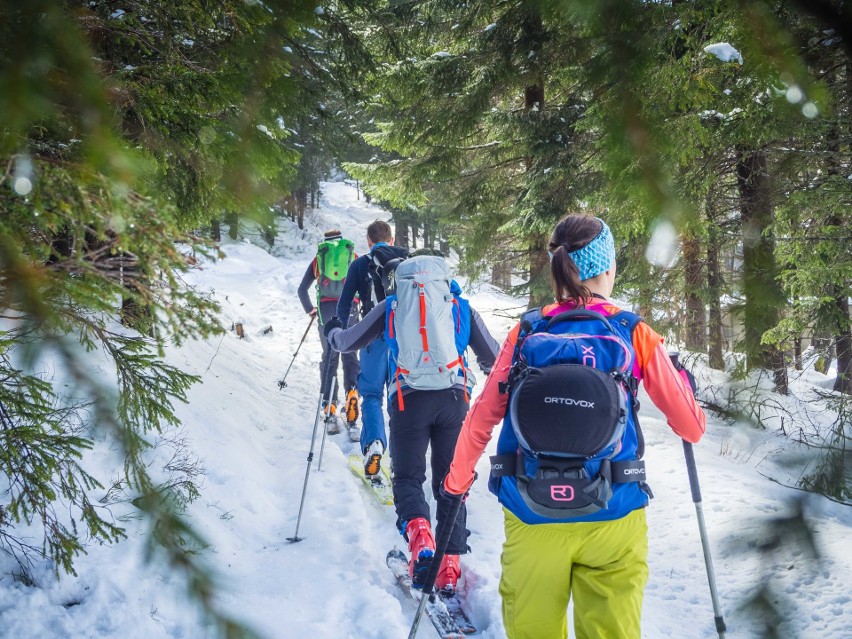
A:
(596, 257)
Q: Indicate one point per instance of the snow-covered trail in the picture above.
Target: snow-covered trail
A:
(254, 439)
(334, 582)
(339, 568)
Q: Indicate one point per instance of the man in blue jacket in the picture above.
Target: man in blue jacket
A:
(363, 279)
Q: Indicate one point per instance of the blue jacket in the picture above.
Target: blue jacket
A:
(358, 282)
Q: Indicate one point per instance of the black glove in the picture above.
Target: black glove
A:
(684, 372)
(691, 379)
(330, 325)
(452, 496)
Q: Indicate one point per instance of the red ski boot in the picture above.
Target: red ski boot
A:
(448, 575)
(421, 543)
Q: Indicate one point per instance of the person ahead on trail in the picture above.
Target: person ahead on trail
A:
(428, 327)
(328, 269)
(564, 383)
(364, 280)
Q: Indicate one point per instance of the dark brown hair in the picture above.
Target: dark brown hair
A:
(379, 231)
(572, 233)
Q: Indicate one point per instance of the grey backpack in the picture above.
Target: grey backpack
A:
(423, 326)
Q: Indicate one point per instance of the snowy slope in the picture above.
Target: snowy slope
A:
(254, 439)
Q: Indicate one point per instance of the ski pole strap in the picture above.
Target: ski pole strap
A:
(623, 472)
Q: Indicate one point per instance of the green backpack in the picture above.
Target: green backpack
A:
(333, 259)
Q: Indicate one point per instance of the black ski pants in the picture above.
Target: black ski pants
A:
(351, 366)
(430, 418)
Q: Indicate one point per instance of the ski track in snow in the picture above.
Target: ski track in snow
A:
(254, 438)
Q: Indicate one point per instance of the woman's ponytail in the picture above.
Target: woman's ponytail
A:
(565, 277)
(571, 234)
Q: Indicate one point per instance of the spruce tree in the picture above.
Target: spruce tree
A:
(467, 113)
(123, 131)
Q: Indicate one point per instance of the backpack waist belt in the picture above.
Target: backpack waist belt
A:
(621, 472)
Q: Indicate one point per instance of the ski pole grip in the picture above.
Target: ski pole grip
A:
(692, 471)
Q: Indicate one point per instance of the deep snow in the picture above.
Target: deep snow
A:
(253, 439)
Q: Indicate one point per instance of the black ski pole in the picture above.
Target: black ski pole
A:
(295, 536)
(325, 425)
(694, 486)
(445, 530)
(702, 529)
(282, 383)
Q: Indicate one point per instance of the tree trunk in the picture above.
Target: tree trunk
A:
(839, 306)
(825, 352)
(401, 238)
(763, 295)
(501, 276)
(715, 337)
(301, 205)
(427, 235)
(539, 260)
(843, 347)
(540, 290)
(233, 220)
(268, 229)
(843, 333)
(216, 230)
(536, 243)
(696, 320)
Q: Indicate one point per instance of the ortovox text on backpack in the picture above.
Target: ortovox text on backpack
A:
(571, 447)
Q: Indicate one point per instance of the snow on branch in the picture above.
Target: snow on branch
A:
(724, 51)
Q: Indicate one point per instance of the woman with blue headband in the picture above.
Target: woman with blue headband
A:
(568, 470)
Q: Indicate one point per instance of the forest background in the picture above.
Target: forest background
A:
(132, 131)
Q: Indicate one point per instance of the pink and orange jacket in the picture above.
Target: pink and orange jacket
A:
(668, 390)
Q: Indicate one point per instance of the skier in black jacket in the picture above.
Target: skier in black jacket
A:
(428, 418)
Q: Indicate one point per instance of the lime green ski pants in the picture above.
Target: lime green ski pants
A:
(602, 565)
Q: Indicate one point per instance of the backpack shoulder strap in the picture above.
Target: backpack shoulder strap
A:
(528, 323)
(627, 319)
(322, 251)
(630, 321)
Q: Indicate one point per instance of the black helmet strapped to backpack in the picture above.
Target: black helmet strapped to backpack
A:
(384, 259)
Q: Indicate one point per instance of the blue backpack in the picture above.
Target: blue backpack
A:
(570, 448)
